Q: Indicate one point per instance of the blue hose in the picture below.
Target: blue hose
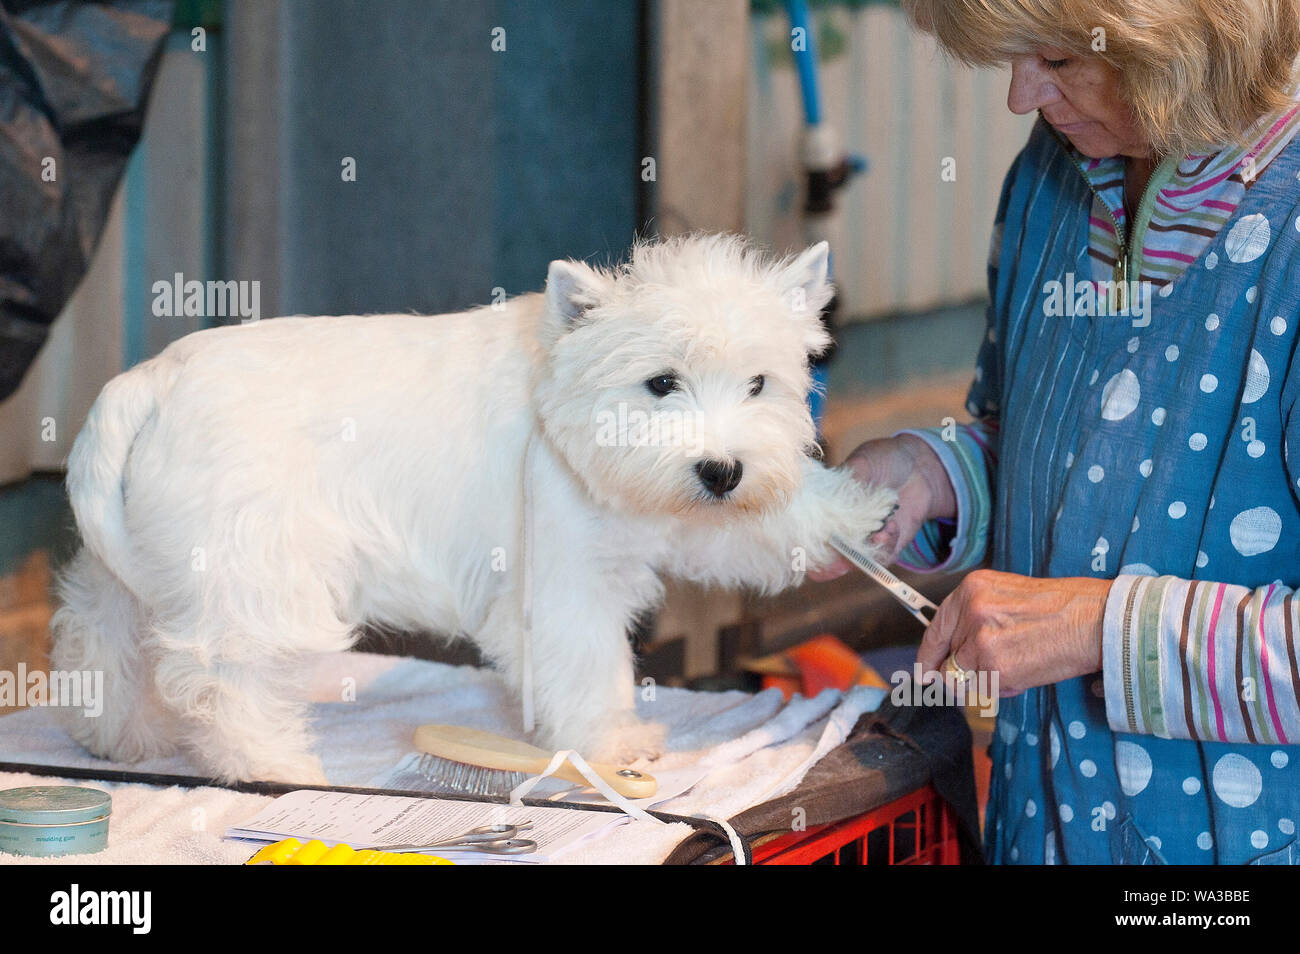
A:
(805, 61)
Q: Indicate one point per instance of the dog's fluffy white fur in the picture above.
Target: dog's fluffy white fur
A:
(254, 494)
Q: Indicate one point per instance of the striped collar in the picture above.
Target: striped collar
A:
(1200, 196)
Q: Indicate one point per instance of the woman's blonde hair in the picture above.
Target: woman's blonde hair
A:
(1196, 73)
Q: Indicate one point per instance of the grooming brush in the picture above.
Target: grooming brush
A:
(479, 763)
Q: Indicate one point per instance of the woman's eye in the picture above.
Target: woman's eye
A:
(1053, 64)
(756, 385)
(662, 384)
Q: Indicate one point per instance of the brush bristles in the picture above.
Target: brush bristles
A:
(463, 779)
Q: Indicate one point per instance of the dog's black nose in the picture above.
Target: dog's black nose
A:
(719, 477)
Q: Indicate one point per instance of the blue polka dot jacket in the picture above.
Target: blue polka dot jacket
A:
(1151, 438)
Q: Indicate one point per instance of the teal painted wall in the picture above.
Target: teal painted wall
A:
(475, 166)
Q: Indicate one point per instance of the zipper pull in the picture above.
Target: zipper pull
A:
(1120, 280)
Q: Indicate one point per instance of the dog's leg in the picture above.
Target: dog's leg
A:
(98, 629)
(234, 672)
(241, 720)
(583, 691)
(775, 551)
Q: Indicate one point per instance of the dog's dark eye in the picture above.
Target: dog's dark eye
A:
(662, 384)
(756, 385)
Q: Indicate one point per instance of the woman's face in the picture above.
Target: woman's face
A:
(1079, 95)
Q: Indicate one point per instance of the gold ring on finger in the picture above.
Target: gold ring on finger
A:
(960, 673)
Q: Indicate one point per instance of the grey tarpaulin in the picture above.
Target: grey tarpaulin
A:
(74, 80)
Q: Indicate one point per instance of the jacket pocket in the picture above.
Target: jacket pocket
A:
(1288, 854)
(1129, 846)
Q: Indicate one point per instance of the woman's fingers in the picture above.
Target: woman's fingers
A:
(887, 539)
(938, 640)
(1029, 631)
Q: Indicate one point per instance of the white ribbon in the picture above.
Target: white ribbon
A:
(614, 798)
(526, 591)
(588, 773)
(737, 844)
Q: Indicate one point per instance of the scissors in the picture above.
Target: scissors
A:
(909, 597)
(490, 839)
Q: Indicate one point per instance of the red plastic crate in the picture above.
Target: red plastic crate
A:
(917, 829)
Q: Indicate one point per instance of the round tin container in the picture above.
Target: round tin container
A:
(45, 820)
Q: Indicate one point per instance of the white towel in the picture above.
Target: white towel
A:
(754, 746)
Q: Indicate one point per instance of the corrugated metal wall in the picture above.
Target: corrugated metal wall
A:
(907, 239)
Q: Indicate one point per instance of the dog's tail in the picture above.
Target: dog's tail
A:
(97, 463)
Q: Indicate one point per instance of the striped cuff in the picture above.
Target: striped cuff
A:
(1190, 659)
(944, 545)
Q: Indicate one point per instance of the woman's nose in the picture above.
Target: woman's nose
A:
(1032, 87)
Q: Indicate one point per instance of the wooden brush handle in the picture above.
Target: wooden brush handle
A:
(475, 747)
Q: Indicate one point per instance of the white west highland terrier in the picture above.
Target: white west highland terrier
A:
(255, 494)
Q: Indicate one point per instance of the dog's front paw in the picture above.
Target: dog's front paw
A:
(865, 509)
(308, 771)
(848, 509)
(622, 740)
(634, 741)
(294, 770)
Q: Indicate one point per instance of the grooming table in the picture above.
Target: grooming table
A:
(832, 758)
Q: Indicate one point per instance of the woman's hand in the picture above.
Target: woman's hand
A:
(1030, 631)
(907, 465)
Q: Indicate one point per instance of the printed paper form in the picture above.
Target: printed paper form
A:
(377, 820)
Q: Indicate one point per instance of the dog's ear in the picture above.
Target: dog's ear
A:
(571, 289)
(807, 288)
(805, 279)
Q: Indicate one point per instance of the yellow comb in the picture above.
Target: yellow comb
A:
(293, 852)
